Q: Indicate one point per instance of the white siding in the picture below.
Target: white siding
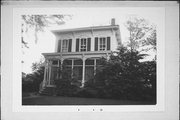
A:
(88, 34)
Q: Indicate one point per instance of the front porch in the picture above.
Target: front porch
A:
(80, 66)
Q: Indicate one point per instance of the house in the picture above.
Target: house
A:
(80, 49)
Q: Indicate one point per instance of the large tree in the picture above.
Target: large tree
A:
(123, 76)
(38, 24)
(142, 34)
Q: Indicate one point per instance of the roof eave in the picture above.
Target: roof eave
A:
(85, 28)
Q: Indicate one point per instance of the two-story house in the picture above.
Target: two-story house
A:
(80, 49)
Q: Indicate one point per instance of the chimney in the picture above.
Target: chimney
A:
(113, 21)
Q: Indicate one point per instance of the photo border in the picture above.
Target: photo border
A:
(171, 77)
(17, 100)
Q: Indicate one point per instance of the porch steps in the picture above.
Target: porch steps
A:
(47, 91)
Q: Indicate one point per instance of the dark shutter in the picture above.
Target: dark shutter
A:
(108, 43)
(59, 46)
(96, 44)
(70, 45)
(77, 45)
(89, 44)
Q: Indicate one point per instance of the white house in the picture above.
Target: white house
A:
(80, 49)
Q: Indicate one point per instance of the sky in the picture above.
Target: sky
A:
(83, 17)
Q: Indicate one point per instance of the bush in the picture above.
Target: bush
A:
(31, 82)
(65, 88)
(124, 77)
(120, 77)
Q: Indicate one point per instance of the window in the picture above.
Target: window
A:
(102, 43)
(83, 44)
(65, 46)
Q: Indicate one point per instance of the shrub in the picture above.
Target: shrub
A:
(31, 82)
(65, 88)
(124, 77)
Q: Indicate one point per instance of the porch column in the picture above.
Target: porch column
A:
(45, 74)
(83, 75)
(94, 67)
(61, 67)
(46, 71)
(49, 77)
(72, 67)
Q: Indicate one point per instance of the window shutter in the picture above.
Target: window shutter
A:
(77, 45)
(108, 43)
(70, 45)
(59, 46)
(96, 44)
(89, 44)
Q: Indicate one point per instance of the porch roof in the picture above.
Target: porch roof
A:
(79, 55)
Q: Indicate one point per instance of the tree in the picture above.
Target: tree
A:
(123, 76)
(38, 23)
(32, 80)
(141, 33)
(65, 84)
(37, 65)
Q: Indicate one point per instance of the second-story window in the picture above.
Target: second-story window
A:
(102, 43)
(83, 44)
(65, 45)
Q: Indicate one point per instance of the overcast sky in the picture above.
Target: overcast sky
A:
(84, 17)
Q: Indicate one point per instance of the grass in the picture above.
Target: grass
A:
(61, 100)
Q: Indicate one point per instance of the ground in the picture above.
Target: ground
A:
(61, 100)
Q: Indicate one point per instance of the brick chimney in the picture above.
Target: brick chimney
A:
(113, 21)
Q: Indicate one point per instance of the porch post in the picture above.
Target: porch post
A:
(94, 67)
(45, 73)
(72, 67)
(49, 79)
(83, 75)
(61, 67)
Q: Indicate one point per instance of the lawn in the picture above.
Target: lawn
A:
(61, 100)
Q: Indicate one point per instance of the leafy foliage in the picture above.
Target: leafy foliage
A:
(65, 84)
(39, 22)
(124, 77)
(141, 33)
(31, 82)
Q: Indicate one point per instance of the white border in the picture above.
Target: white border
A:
(17, 99)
